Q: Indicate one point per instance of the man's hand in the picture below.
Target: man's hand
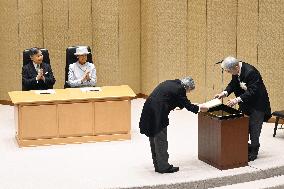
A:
(232, 102)
(39, 74)
(220, 95)
(38, 77)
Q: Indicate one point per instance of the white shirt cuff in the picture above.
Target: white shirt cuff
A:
(239, 99)
(225, 92)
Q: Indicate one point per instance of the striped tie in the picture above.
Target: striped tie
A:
(37, 67)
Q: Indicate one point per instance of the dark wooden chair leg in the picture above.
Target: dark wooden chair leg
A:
(276, 124)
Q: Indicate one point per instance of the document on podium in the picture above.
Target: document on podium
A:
(212, 103)
(48, 91)
(87, 89)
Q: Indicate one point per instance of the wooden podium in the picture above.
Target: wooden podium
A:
(223, 137)
(72, 115)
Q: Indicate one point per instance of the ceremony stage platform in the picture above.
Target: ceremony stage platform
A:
(128, 164)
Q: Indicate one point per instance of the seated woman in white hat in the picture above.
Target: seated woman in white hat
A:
(82, 73)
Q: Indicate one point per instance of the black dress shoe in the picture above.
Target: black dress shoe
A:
(253, 153)
(252, 157)
(171, 169)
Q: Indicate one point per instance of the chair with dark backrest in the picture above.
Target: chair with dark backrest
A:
(27, 58)
(71, 58)
(279, 115)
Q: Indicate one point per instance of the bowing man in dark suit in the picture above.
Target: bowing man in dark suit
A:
(37, 75)
(252, 97)
(154, 117)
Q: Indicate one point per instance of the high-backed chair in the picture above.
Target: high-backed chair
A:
(71, 58)
(27, 59)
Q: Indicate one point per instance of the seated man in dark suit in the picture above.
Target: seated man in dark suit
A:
(251, 95)
(37, 75)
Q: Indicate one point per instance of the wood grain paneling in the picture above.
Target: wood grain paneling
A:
(196, 45)
(221, 42)
(55, 32)
(163, 42)
(270, 49)
(9, 53)
(129, 43)
(75, 119)
(33, 120)
(105, 41)
(247, 31)
(118, 111)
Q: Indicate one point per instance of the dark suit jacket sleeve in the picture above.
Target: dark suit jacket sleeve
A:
(49, 78)
(232, 85)
(253, 84)
(27, 82)
(183, 100)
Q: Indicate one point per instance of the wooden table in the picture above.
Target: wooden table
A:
(72, 116)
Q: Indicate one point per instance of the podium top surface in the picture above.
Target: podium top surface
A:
(69, 94)
(223, 112)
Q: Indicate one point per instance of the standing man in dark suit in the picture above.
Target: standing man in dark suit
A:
(154, 118)
(252, 97)
(37, 75)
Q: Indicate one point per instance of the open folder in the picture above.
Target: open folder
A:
(212, 103)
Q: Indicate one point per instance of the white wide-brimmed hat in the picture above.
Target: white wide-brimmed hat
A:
(81, 51)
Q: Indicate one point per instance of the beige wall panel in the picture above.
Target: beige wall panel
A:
(79, 22)
(221, 41)
(176, 40)
(163, 41)
(270, 52)
(149, 44)
(30, 24)
(129, 43)
(247, 31)
(105, 41)
(30, 29)
(196, 45)
(10, 66)
(172, 39)
(55, 29)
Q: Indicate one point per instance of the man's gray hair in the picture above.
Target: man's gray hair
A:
(187, 83)
(229, 63)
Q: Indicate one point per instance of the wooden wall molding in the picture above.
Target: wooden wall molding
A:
(6, 102)
(141, 95)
